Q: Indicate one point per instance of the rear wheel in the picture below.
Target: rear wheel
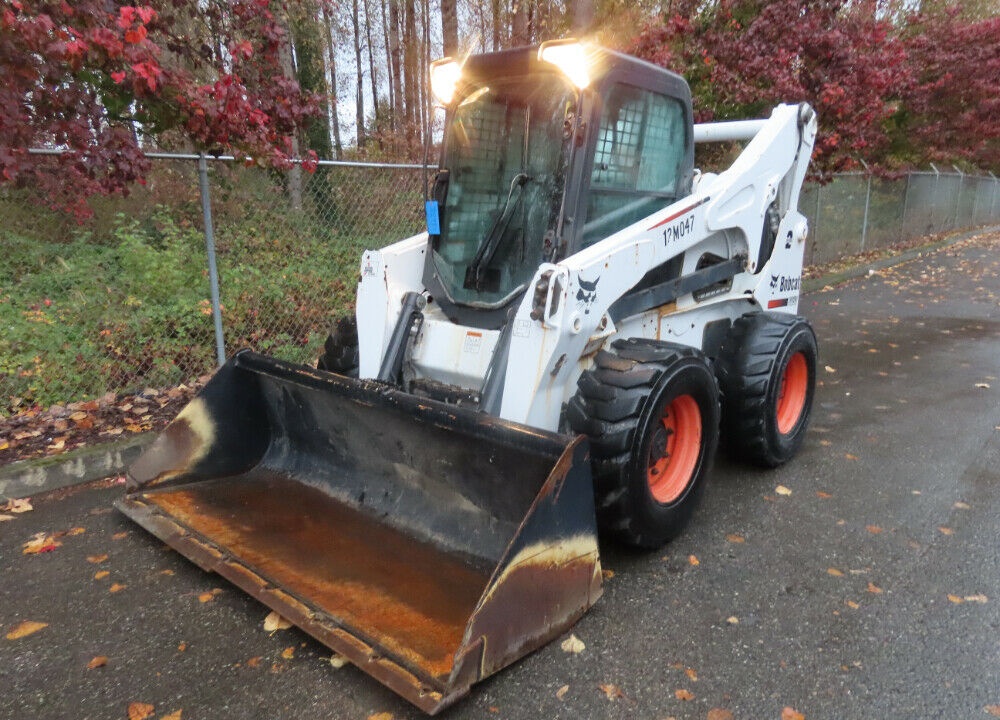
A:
(767, 373)
(340, 351)
(651, 410)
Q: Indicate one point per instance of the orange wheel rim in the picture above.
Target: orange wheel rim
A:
(674, 449)
(792, 394)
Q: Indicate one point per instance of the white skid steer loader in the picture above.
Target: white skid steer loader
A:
(557, 353)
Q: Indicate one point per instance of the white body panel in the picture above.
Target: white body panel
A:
(724, 215)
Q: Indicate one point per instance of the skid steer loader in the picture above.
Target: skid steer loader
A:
(558, 352)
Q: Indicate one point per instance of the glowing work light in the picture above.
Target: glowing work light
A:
(570, 57)
(445, 74)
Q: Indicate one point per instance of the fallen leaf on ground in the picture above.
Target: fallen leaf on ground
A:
(76, 531)
(782, 490)
(962, 506)
(573, 644)
(561, 692)
(733, 620)
(274, 622)
(5, 518)
(42, 543)
(101, 574)
(849, 456)
(96, 558)
(25, 628)
(955, 599)
(288, 653)
(993, 710)
(116, 587)
(168, 571)
(380, 716)
(120, 535)
(210, 595)
(835, 572)
(788, 713)
(682, 694)
(873, 588)
(140, 711)
(853, 605)
(719, 714)
(736, 539)
(182, 646)
(693, 560)
(983, 386)
(337, 661)
(980, 598)
(946, 531)
(175, 715)
(17, 505)
(254, 661)
(829, 369)
(607, 574)
(611, 692)
(98, 661)
(823, 495)
(873, 529)
(691, 673)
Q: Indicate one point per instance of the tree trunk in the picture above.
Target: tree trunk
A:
(449, 26)
(371, 64)
(360, 107)
(396, 60)
(519, 33)
(495, 6)
(583, 16)
(391, 126)
(287, 59)
(411, 71)
(331, 57)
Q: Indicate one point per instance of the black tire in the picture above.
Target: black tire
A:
(767, 374)
(650, 459)
(340, 351)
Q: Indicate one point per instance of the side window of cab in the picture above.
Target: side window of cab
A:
(638, 160)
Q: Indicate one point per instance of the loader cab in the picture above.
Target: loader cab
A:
(538, 163)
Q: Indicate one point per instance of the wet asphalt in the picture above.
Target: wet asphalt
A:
(866, 586)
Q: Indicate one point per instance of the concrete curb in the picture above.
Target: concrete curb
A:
(38, 475)
(28, 477)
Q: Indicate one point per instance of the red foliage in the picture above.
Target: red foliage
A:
(951, 109)
(92, 78)
(743, 57)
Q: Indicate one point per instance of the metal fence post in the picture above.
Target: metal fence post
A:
(213, 273)
(958, 198)
(993, 200)
(906, 206)
(868, 199)
(937, 178)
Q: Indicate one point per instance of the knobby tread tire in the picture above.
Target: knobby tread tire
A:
(340, 351)
(749, 366)
(613, 407)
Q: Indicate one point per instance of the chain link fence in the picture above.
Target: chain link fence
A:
(856, 212)
(122, 302)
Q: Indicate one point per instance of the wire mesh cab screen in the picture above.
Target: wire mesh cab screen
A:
(641, 144)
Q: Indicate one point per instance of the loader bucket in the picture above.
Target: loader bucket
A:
(430, 545)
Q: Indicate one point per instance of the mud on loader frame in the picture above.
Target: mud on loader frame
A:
(430, 542)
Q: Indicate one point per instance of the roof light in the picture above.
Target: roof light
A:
(445, 74)
(570, 57)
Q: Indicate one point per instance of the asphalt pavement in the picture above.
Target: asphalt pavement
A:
(862, 580)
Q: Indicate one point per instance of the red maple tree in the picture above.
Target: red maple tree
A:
(96, 79)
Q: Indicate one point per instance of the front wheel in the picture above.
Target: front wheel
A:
(767, 373)
(651, 410)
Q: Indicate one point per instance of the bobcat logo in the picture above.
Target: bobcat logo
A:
(774, 281)
(587, 293)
